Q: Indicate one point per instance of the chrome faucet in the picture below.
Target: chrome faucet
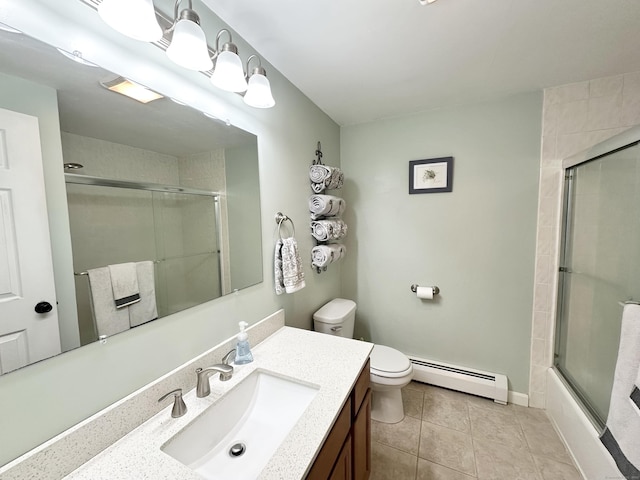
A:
(229, 357)
(203, 388)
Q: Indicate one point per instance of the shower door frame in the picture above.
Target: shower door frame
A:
(623, 141)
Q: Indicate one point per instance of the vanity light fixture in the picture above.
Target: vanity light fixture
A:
(131, 89)
(188, 45)
(134, 18)
(425, 2)
(258, 92)
(227, 72)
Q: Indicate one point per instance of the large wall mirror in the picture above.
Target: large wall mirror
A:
(158, 186)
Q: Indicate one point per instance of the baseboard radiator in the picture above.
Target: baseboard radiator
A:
(462, 379)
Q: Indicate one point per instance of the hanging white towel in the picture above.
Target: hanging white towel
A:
(622, 432)
(277, 268)
(146, 309)
(108, 319)
(124, 282)
(325, 206)
(289, 275)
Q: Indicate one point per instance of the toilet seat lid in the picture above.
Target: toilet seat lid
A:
(387, 361)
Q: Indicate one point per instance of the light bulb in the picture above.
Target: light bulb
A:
(228, 73)
(259, 92)
(134, 18)
(189, 47)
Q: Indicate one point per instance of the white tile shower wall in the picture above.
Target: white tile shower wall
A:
(574, 117)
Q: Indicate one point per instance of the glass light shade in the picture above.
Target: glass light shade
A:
(189, 47)
(228, 73)
(259, 92)
(134, 18)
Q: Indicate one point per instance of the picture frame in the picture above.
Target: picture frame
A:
(434, 175)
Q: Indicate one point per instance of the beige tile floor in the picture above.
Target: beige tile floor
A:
(449, 435)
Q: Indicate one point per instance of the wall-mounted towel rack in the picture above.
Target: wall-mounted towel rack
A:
(327, 228)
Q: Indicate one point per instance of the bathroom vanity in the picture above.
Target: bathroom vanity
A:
(330, 439)
(346, 453)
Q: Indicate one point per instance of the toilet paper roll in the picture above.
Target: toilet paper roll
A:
(425, 292)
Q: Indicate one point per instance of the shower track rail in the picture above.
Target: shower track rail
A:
(152, 187)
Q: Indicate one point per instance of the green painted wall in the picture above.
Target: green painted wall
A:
(46, 398)
(476, 243)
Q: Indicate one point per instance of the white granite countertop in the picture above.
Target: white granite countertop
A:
(331, 363)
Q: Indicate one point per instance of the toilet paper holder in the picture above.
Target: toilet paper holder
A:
(414, 289)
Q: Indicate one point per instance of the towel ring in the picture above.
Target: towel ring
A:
(280, 219)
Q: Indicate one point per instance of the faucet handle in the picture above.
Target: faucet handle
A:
(179, 407)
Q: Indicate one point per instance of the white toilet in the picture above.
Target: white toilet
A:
(390, 369)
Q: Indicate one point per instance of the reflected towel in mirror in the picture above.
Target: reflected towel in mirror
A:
(146, 309)
(124, 282)
(108, 319)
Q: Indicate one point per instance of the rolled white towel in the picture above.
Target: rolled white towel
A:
(319, 173)
(318, 187)
(324, 177)
(323, 255)
(325, 230)
(336, 180)
(325, 206)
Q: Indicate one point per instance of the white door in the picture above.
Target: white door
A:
(26, 269)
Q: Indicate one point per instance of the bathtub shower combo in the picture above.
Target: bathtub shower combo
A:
(599, 272)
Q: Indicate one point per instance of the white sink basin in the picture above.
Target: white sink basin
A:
(258, 414)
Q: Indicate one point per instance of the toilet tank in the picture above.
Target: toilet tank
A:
(336, 317)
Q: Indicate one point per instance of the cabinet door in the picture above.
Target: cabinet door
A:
(326, 459)
(361, 432)
(342, 468)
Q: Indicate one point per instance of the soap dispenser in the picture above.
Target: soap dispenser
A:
(243, 351)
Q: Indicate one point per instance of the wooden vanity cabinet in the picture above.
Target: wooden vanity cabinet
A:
(346, 453)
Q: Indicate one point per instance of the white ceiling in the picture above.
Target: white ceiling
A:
(361, 60)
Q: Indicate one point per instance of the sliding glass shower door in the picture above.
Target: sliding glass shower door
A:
(599, 271)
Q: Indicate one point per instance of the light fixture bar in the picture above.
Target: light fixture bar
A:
(168, 26)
